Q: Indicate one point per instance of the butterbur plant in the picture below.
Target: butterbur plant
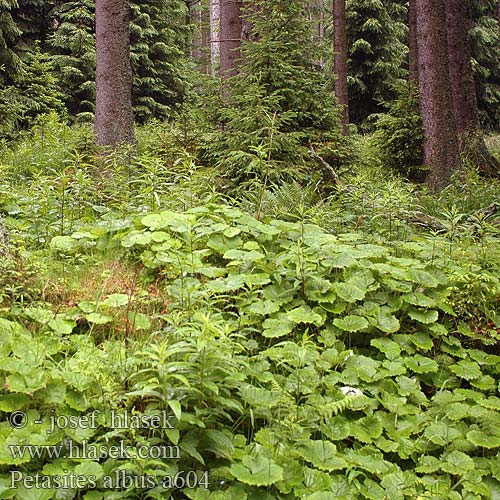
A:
(299, 363)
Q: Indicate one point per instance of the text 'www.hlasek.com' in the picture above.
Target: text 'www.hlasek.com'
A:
(160, 446)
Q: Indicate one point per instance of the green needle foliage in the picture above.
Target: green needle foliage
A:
(159, 47)
(280, 100)
(8, 34)
(377, 54)
(159, 38)
(484, 38)
(73, 47)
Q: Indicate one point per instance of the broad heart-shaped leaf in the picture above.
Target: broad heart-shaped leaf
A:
(243, 255)
(365, 368)
(390, 348)
(304, 314)
(421, 364)
(422, 277)
(65, 244)
(39, 314)
(320, 495)
(89, 469)
(176, 221)
(140, 321)
(256, 469)
(116, 300)
(322, 454)
(493, 403)
(28, 384)
(218, 442)
(479, 438)
(98, 319)
(277, 327)
(423, 316)
(351, 323)
(263, 307)
(256, 396)
(382, 319)
(441, 433)
(370, 459)
(468, 370)
(29, 493)
(457, 463)
(349, 291)
(419, 299)
(428, 464)
(136, 238)
(372, 490)
(62, 325)
(422, 341)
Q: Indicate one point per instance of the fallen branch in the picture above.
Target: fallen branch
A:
(427, 221)
(332, 174)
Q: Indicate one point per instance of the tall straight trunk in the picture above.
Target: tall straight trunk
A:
(230, 36)
(340, 61)
(440, 140)
(114, 122)
(412, 42)
(463, 90)
(214, 33)
(200, 44)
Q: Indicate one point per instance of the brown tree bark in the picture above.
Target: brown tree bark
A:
(230, 36)
(470, 136)
(114, 121)
(440, 141)
(340, 60)
(412, 42)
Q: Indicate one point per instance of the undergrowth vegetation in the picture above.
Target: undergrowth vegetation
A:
(304, 340)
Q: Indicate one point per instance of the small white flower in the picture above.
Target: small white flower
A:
(351, 391)
(351, 353)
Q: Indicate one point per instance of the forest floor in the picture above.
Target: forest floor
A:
(290, 341)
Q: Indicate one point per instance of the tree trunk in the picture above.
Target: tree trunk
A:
(214, 34)
(412, 42)
(200, 42)
(230, 36)
(114, 122)
(440, 141)
(465, 108)
(340, 61)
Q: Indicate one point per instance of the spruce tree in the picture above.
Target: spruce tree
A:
(9, 62)
(38, 88)
(36, 20)
(281, 100)
(484, 39)
(376, 31)
(9, 65)
(160, 46)
(73, 48)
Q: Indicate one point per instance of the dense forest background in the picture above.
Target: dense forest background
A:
(265, 234)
